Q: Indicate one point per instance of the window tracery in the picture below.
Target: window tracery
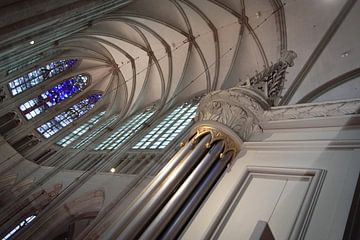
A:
(124, 132)
(80, 130)
(39, 75)
(71, 114)
(54, 95)
(169, 128)
(96, 132)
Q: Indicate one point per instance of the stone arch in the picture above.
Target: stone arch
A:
(73, 216)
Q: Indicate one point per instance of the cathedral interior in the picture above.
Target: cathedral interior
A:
(180, 119)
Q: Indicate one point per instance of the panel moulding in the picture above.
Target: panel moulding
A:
(315, 178)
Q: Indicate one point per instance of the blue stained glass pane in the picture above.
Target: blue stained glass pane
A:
(71, 114)
(39, 75)
(53, 96)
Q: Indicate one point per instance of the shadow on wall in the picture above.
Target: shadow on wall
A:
(73, 217)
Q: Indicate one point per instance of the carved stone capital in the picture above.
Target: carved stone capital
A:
(239, 108)
(288, 57)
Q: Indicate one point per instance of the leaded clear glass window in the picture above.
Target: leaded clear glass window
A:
(169, 128)
(124, 132)
(39, 75)
(18, 227)
(96, 132)
(63, 119)
(54, 95)
(80, 130)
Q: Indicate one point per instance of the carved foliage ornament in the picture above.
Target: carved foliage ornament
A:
(239, 108)
(315, 110)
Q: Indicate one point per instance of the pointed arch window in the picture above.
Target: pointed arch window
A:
(18, 227)
(63, 119)
(96, 132)
(169, 128)
(124, 132)
(39, 75)
(54, 95)
(80, 130)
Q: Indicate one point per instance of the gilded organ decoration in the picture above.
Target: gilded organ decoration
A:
(239, 108)
(229, 145)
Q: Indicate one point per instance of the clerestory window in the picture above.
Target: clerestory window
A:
(63, 119)
(169, 128)
(123, 133)
(54, 95)
(75, 134)
(39, 75)
(96, 132)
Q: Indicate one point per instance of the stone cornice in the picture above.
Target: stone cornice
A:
(314, 110)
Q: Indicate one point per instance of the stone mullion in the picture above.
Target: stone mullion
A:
(30, 93)
(104, 136)
(60, 150)
(46, 116)
(176, 116)
(170, 150)
(98, 124)
(50, 142)
(129, 142)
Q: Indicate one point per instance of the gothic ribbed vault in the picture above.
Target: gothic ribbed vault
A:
(167, 51)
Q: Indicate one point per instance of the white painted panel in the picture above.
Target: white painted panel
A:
(271, 199)
(288, 208)
(256, 204)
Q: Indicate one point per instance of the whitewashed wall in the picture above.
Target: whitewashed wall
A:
(299, 180)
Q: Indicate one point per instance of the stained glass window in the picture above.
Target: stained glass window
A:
(96, 132)
(56, 94)
(65, 118)
(124, 132)
(40, 75)
(80, 130)
(18, 227)
(169, 128)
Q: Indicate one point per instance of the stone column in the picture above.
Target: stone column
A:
(225, 119)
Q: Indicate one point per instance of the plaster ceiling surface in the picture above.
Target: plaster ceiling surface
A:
(167, 51)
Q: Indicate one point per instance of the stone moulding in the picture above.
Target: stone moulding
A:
(239, 108)
(314, 110)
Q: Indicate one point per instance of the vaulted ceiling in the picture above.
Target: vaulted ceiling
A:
(166, 51)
